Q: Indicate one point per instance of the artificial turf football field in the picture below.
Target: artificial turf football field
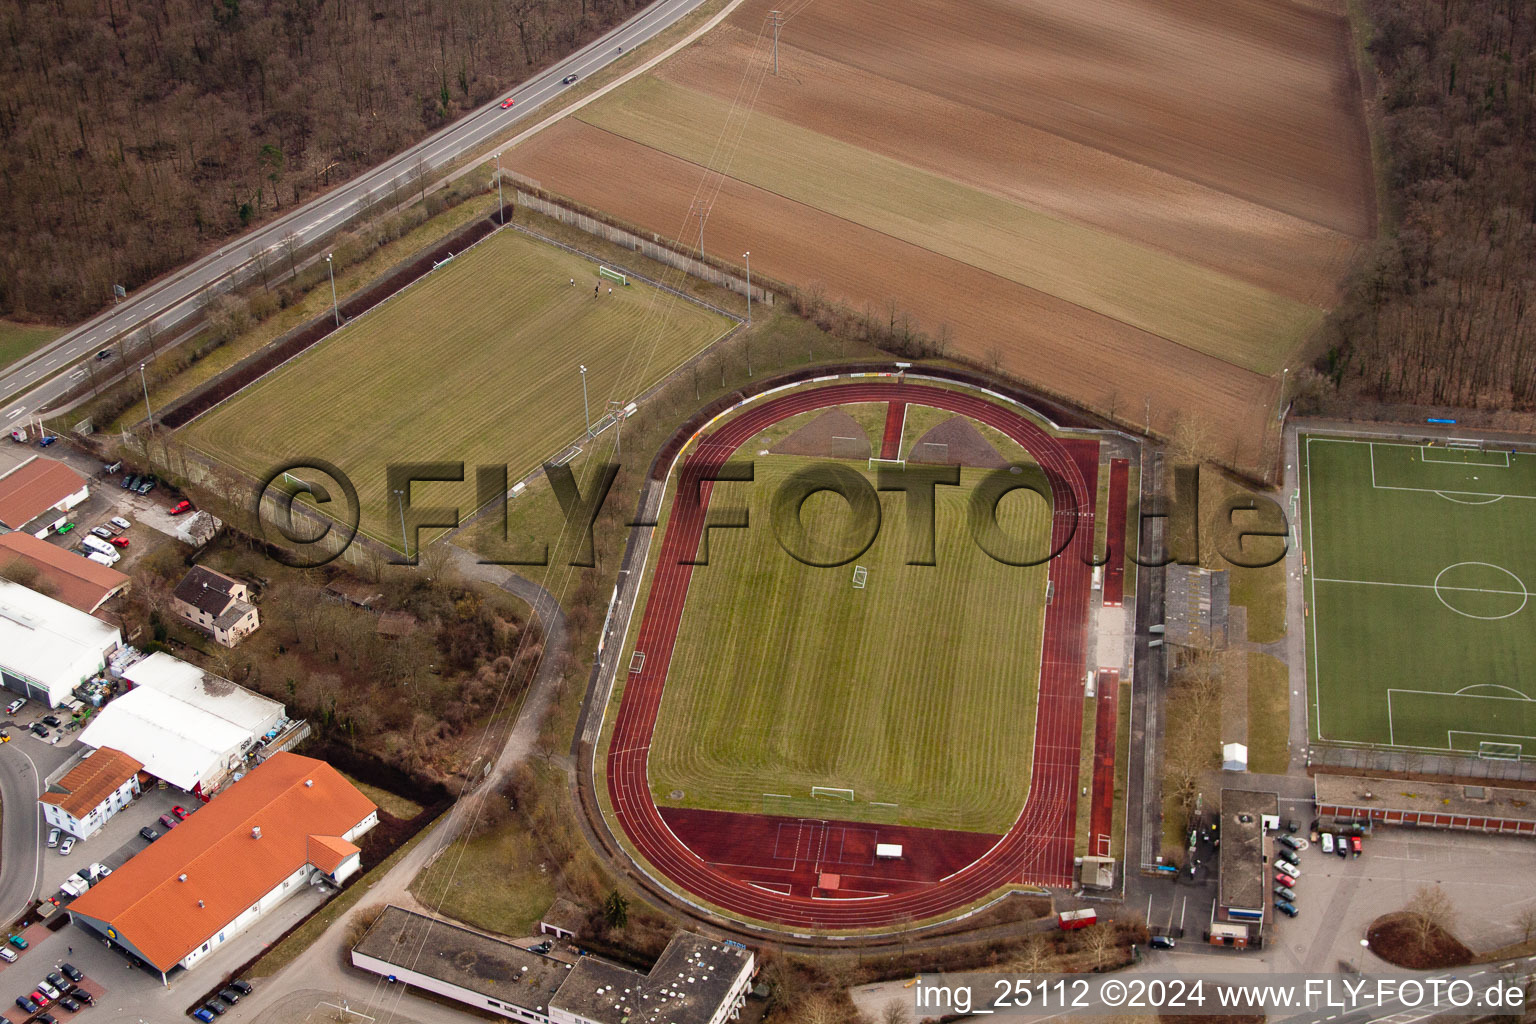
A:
(917, 692)
(1420, 628)
(476, 363)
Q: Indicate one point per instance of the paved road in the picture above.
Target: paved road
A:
(174, 300)
(19, 847)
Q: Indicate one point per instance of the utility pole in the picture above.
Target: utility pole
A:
(586, 413)
(501, 209)
(404, 543)
(748, 257)
(699, 208)
(777, 18)
(335, 309)
(1280, 407)
(616, 410)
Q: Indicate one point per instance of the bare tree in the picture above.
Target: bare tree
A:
(895, 1012)
(291, 244)
(1526, 922)
(1099, 940)
(261, 256)
(1034, 958)
(1429, 912)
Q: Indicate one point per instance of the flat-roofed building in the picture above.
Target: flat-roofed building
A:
(696, 980)
(48, 648)
(1243, 884)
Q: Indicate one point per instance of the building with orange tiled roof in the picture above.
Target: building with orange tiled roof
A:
(35, 487)
(99, 785)
(78, 582)
(289, 821)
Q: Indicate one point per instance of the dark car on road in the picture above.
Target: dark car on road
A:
(215, 1007)
(148, 834)
(104, 354)
(1289, 910)
(1291, 841)
(40, 728)
(52, 720)
(568, 79)
(1162, 942)
(243, 987)
(229, 995)
(166, 821)
(27, 1005)
(71, 972)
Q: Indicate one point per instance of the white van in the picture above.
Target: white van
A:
(101, 559)
(100, 547)
(1327, 841)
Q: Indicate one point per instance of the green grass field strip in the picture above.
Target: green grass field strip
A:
(476, 363)
(1419, 632)
(19, 340)
(1081, 842)
(1269, 722)
(918, 690)
(1157, 292)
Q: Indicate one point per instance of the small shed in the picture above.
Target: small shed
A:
(563, 919)
(1234, 757)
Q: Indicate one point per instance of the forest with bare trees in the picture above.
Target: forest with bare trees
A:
(1441, 314)
(136, 136)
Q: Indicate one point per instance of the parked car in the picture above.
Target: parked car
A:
(215, 1007)
(118, 542)
(9, 956)
(1356, 845)
(1162, 942)
(71, 972)
(40, 729)
(130, 481)
(146, 485)
(56, 979)
(1341, 848)
(15, 705)
(148, 834)
(1292, 842)
(27, 1005)
(229, 995)
(180, 812)
(38, 997)
(1284, 879)
(543, 947)
(243, 987)
(17, 941)
(120, 522)
(46, 440)
(1327, 840)
(1285, 892)
(202, 1015)
(85, 997)
(66, 846)
(166, 821)
(52, 720)
(1289, 867)
(45, 1018)
(66, 527)
(53, 837)
(181, 506)
(68, 1002)
(1288, 909)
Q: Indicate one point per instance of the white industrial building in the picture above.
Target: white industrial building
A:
(189, 727)
(48, 648)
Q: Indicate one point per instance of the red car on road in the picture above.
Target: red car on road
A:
(181, 506)
(180, 812)
(506, 103)
(1285, 879)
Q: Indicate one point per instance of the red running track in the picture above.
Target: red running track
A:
(1039, 846)
(1101, 815)
(1114, 572)
(895, 419)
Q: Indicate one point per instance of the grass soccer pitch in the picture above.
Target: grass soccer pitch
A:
(478, 362)
(1420, 563)
(915, 691)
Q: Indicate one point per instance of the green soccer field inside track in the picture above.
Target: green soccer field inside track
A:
(916, 690)
(1421, 630)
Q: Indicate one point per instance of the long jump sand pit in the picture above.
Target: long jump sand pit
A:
(1124, 202)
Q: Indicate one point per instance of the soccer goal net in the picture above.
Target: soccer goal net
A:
(875, 464)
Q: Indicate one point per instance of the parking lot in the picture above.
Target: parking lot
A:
(1487, 878)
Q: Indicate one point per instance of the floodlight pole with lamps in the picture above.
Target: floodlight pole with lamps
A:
(147, 409)
(585, 409)
(1285, 373)
(335, 307)
(748, 257)
(501, 209)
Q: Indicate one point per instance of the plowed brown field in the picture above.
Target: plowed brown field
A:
(1195, 173)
